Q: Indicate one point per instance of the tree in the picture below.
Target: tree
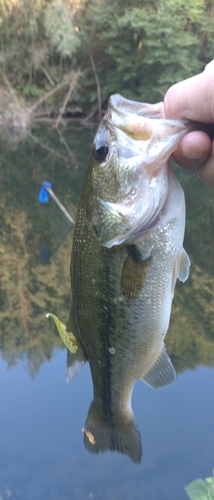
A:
(60, 29)
(138, 48)
(147, 46)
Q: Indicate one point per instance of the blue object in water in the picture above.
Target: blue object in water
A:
(46, 254)
(43, 193)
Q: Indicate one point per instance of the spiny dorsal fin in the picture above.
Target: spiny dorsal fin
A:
(162, 371)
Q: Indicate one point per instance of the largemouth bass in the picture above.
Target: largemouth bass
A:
(127, 254)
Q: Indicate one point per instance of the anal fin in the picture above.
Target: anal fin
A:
(162, 371)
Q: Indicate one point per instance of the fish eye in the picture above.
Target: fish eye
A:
(100, 153)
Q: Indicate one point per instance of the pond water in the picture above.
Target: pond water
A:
(42, 456)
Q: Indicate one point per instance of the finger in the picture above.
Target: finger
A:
(206, 171)
(193, 150)
(210, 66)
(192, 98)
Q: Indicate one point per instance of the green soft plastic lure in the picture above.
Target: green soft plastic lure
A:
(67, 337)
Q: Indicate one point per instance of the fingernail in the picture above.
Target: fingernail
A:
(193, 150)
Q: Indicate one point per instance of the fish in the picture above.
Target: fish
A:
(127, 254)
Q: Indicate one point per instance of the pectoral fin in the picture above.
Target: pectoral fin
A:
(181, 268)
(162, 371)
(134, 273)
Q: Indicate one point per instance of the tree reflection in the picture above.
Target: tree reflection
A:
(29, 288)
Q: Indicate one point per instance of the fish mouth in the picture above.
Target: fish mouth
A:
(142, 130)
(121, 105)
(142, 121)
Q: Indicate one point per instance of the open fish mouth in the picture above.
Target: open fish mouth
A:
(142, 121)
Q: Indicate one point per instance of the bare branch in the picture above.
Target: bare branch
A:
(98, 86)
(73, 85)
(46, 147)
(48, 76)
(70, 152)
(73, 75)
(88, 117)
(9, 87)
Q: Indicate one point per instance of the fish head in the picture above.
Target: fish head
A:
(129, 168)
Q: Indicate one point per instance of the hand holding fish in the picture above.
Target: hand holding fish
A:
(194, 99)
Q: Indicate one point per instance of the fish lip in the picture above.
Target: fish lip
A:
(121, 105)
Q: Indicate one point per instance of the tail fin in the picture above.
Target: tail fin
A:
(120, 435)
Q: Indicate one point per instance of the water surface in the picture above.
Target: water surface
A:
(42, 455)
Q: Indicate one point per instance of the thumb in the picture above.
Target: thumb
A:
(192, 98)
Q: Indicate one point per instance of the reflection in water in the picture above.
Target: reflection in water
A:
(29, 289)
(191, 339)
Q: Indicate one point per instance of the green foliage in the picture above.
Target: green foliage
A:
(67, 337)
(151, 44)
(30, 90)
(60, 29)
(201, 490)
(139, 48)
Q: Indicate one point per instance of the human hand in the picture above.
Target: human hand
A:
(194, 99)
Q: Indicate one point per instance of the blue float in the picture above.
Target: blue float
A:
(43, 193)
